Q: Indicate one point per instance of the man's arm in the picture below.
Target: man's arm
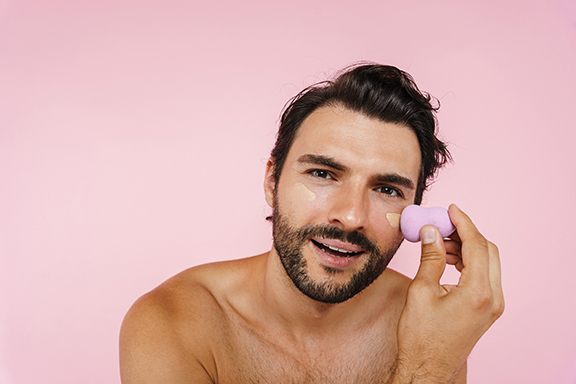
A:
(152, 349)
(440, 324)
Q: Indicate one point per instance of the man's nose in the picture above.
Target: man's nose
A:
(349, 208)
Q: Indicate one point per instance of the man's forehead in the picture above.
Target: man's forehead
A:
(336, 132)
(339, 120)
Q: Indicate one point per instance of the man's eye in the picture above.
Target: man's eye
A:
(320, 174)
(389, 191)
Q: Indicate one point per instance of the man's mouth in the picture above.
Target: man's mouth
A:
(335, 251)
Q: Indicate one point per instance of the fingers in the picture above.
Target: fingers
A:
(456, 261)
(453, 254)
(496, 279)
(453, 247)
(480, 260)
(475, 251)
(495, 269)
(474, 256)
(433, 260)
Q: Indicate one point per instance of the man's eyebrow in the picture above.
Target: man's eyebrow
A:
(394, 178)
(321, 160)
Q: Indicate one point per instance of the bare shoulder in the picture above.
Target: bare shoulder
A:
(170, 333)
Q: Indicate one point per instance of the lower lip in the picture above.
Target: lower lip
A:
(333, 261)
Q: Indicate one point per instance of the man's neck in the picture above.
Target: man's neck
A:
(301, 315)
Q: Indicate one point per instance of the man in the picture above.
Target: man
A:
(321, 307)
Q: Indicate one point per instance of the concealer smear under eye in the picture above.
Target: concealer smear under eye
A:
(393, 219)
(305, 191)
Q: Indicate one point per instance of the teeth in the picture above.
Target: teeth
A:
(337, 249)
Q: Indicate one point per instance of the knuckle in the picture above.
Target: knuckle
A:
(498, 308)
(483, 300)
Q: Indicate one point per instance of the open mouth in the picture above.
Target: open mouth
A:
(333, 251)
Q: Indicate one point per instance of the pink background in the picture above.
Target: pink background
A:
(134, 134)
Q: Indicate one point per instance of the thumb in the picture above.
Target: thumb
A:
(433, 261)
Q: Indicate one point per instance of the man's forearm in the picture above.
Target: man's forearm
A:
(422, 373)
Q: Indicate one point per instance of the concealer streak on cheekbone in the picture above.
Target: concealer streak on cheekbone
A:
(393, 219)
(305, 191)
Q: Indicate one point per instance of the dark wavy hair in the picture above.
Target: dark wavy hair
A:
(378, 91)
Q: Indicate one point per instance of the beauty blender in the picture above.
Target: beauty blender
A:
(415, 217)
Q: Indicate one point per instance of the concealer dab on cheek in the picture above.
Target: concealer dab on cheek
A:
(305, 191)
(393, 219)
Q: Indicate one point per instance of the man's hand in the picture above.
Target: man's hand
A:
(440, 324)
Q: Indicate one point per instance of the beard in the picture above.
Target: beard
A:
(290, 240)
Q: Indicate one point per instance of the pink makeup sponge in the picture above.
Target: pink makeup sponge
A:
(415, 217)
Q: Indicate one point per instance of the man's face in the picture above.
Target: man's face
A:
(343, 174)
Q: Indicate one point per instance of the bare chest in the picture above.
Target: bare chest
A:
(362, 357)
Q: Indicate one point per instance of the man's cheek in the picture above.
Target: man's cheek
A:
(304, 192)
(393, 219)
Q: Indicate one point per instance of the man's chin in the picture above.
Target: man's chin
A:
(334, 287)
(336, 296)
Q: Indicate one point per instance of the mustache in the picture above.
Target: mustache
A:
(336, 233)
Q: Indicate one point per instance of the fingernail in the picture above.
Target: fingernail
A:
(428, 235)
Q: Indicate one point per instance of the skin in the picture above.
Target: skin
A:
(393, 219)
(244, 321)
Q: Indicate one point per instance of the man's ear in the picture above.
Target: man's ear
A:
(270, 182)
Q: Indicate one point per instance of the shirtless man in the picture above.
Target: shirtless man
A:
(321, 306)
